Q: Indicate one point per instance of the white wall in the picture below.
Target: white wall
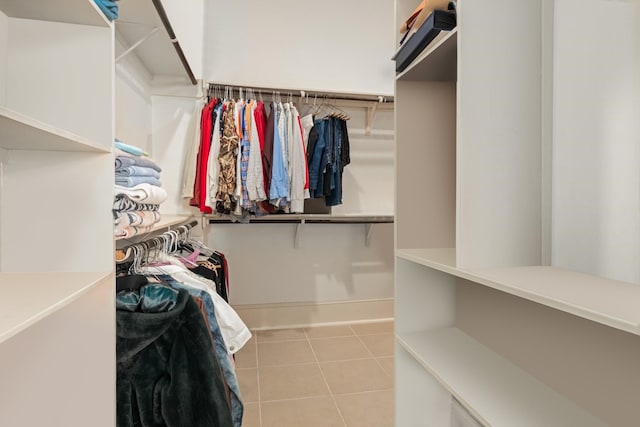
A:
(132, 101)
(596, 156)
(334, 46)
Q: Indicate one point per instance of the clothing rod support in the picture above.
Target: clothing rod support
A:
(136, 44)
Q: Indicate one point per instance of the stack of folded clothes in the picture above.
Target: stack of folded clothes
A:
(109, 8)
(138, 192)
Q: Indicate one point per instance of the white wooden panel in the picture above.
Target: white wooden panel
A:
(499, 133)
(62, 74)
(425, 163)
(60, 205)
(420, 400)
(596, 170)
(425, 298)
(334, 46)
(61, 371)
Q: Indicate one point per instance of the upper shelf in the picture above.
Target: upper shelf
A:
(83, 12)
(609, 302)
(437, 62)
(140, 24)
(21, 132)
(26, 298)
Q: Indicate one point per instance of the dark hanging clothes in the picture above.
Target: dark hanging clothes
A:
(168, 373)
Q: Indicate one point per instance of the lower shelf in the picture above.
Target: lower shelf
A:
(26, 298)
(494, 390)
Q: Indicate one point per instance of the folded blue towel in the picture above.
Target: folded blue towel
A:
(132, 181)
(129, 148)
(109, 8)
(137, 171)
(126, 161)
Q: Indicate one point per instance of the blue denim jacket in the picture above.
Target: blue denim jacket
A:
(318, 160)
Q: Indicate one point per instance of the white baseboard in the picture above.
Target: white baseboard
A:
(298, 315)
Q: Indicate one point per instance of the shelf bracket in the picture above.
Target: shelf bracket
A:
(371, 115)
(368, 233)
(296, 236)
(136, 44)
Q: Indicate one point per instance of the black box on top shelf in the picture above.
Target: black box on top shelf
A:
(438, 20)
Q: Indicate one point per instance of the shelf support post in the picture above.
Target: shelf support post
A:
(296, 236)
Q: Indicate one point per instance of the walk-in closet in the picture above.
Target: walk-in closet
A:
(355, 214)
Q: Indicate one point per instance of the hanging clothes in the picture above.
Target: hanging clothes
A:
(257, 159)
(206, 282)
(228, 157)
(167, 371)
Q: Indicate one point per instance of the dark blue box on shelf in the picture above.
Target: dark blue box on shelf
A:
(438, 20)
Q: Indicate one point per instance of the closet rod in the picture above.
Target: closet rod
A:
(174, 41)
(309, 94)
(150, 241)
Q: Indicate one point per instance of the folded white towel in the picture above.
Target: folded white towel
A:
(143, 193)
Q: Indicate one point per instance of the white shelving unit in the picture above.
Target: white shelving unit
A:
(482, 315)
(57, 310)
(27, 298)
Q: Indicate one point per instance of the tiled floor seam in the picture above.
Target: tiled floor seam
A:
(375, 358)
(333, 399)
(317, 361)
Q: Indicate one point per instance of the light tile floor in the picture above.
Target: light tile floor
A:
(318, 377)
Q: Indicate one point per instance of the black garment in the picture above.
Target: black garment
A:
(168, 374)
(311, 143)
(216, 274)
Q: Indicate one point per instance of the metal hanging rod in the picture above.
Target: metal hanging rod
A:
(308, 94)
(152, 240)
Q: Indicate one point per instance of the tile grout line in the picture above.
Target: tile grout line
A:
(376, 359)
(333, 398)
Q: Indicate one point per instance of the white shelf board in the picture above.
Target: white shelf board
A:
(26, 298)
(437, 62)
(21, 132)
(443, 259)
(609, 302)
(84, 12)
(157, 53)
(494, 390)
